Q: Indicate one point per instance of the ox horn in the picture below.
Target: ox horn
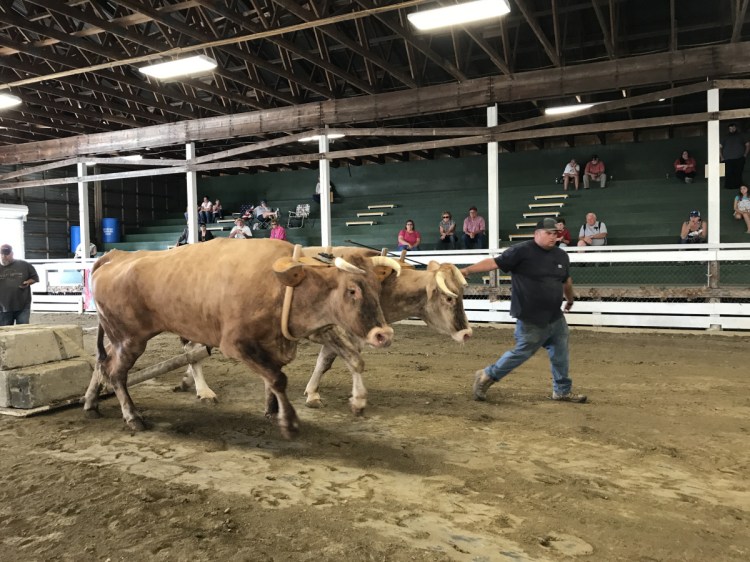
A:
(459, 276)
(440, 280)
(387, 262)
(344, 265)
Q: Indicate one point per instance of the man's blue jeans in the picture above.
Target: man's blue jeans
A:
(19, 316)
(529, 338)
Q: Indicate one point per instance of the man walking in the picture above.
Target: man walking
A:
(540, 278)
(734, 150)
(16, 276)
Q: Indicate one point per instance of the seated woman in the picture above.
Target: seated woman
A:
(694, 230)
(218, 211)
(684, 167)
(408, 238)
(447, 228)
(742, 206)
(572, 172)
(263, 211)
(277, 231)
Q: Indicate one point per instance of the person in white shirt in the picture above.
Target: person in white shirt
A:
(263, 211)
(240, 230)
(79, 250)
(206, 213)
(571, 172)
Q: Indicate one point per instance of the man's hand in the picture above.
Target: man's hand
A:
(568, 306)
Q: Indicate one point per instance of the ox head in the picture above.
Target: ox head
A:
(346, 295)
(444, 309)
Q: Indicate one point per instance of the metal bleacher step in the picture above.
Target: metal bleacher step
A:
(557, 196)
(230, 221)
(525, 224)
(519, 236)
(382, 206)
(218, 227)
(544, 205)
(542, 214)
(360, 223)
(371, 214)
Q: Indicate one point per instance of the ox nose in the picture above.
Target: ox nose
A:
(380, 337)
(463, 335)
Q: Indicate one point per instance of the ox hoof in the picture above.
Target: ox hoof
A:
(136, 424)
(358, 406)
(289, 431)
(92, 414)
(314, 403)
(212, 400)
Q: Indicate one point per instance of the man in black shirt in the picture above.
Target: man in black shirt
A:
(540, 278)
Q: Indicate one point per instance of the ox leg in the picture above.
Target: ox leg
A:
(338, 344)
(326, 357)
(202, 390)
(115, 368)
(91, 398)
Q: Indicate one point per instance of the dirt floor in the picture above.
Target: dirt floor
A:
(655, 467)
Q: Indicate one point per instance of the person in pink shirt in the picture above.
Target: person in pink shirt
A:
(408, 238)
(277, 231)
(684, 167)
(474, 229)
(594, 171)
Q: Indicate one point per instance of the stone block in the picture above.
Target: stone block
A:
(40, 385)
(32, 344)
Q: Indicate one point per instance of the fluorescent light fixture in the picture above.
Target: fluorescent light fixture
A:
(9, 100)
(662, 99)
(182, 67)
(133, 157)
(459, 14)
(330, 136)
(562, 109)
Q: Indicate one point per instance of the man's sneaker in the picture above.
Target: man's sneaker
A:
(481, 384)
(569, 397)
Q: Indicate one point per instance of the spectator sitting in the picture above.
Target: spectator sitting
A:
(684, 167)
(594, 171)
(474, 228)
(183, 239)
(218, 211)
(247, 212)
(206, 214)
(79, 250)
(240, 230)
(694, 230)
(742, 206)
(447, 229)
(264, 212)
(592, 232)
(408, 238)
(563, 236)
(572, 170)
(204, 235)
(278, 232)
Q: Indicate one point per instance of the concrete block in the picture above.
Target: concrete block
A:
(32, 344)
(40, 385)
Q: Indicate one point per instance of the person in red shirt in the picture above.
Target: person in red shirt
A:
(594, 171)
(408, 238)
(563, 236)
(684, 167)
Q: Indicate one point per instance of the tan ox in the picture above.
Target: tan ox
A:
(434, 295)
(141, 294)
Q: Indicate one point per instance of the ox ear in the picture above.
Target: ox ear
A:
(433, 266)
(289, 272)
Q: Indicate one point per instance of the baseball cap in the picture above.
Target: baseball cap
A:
(695, 213)
(6, 249)
(547, 224)
(594, 157)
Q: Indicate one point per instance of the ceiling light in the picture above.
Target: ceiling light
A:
(662, 99)
(459, 14)
(562, 109)
(9, 100)
(132, 157)
(330, 136)
(182, 67)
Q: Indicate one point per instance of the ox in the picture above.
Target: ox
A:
(141, 294)
(434, 295)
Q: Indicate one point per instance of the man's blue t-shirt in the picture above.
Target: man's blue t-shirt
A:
(537, 280)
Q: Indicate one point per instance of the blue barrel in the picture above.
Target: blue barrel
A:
(75, 238)
(110, 230)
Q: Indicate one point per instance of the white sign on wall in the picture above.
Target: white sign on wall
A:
(12, 218)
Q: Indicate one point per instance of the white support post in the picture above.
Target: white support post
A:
(325, 193)
(493, 186)
(714, 203)
(192, 195)
(83, 210)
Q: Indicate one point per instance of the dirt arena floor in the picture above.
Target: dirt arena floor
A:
(655, 467)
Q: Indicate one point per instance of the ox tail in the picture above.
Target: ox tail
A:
(101, 352)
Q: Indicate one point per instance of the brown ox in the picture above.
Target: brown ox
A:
(434, 295)
(141, 294)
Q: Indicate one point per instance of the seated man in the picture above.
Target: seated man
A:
(264, 212)
(240, 230)
(594, 171)
(572, 169)
(592, 232)
(474, 229)
(694, 230)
